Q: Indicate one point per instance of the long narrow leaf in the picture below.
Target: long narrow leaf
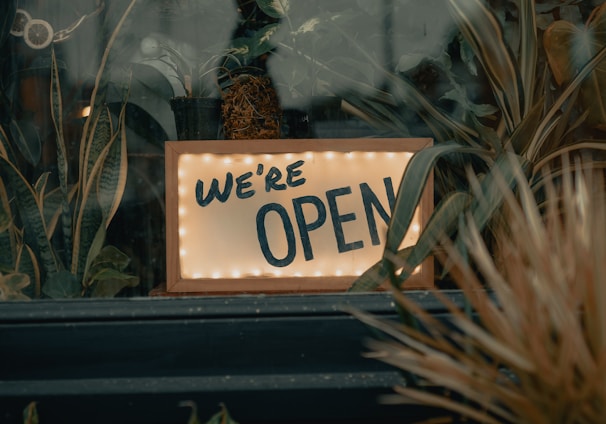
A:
(100, 87)
(548, 121)
(443, 222)
(27, 263)
(31, 215)
(412, 185)
(488, 198)
(90, 216)
(62, 160)
(112, 178)
(483, 32)
(529, 51)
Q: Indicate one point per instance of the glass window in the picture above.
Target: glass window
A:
(92, 89)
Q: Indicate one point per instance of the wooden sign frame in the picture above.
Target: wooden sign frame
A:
(178, 283)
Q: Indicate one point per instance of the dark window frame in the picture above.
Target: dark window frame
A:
(279, 358)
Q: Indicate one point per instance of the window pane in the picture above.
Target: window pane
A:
(92, 89)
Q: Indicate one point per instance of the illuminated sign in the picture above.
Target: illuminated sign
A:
(282, 215)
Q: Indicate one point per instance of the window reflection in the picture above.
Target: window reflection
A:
(327, 59)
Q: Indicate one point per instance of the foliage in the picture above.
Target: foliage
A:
(30, 414)
(534, 350)
(56, 235)
(523, 115)
(221, 417)
(205, 71)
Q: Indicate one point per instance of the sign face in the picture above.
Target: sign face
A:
(283, 215)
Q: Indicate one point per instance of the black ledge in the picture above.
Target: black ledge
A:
(270, 359)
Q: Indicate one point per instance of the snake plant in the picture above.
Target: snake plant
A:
(56, 236)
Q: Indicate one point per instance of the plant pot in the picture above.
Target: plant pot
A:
(197, 118)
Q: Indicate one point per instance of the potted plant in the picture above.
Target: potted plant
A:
(56, 236)
(308, 93)
(207, 73)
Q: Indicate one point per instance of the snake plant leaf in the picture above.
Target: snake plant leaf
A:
(483, 32)
(62, 285)
(86, 239)
(53, 203)
(62, 160)
(274, 8)
(40, 184)
(5, 215)
(57, 118)
(8, 244)
(112, 175)
(8, 10)
(27, 139)
(89, 215)
(27, 263)
(31, 214)
(569, 48)
(111, 183)
(99, 138)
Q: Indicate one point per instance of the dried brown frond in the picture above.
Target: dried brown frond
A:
(251, 109)
(537, 351)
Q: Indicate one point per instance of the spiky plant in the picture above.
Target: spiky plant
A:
(536, 350)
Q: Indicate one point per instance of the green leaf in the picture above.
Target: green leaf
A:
(30, 414)
(274, 8)
(89, 217)
(112, 175)
(7, 15)
(106, 274)
(488, 197)
(263, 40)
(5, 218)
(27, 263)
(529, 51)
(11, 286)
(31, 215)
(442, 223)
(27, 139)
(222, 417)
(111, 257)
(62, 285)
(413, 182)
(109, 282)
(193, 417)
(483, 32)
(62, 160)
